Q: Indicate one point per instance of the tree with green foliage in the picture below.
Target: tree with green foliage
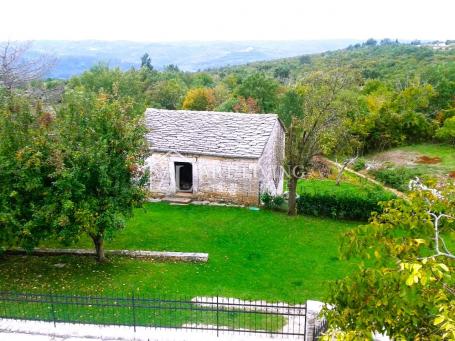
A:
(100, 77)
(146, 62)
(371, 42)
(389, 117)
(169, 93)
(102, 178)
(447, 132)
(202, 80)
(172, 68)
(406, 289)
(291, 104)
(317, 130)
(29, 164)
(305, 59)
(282, 72)
(262, 89)
(442, 77)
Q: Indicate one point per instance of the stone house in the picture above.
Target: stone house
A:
(215, 156)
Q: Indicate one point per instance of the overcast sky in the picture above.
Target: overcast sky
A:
(174, 20)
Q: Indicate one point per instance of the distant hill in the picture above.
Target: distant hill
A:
(393, 63)
(74, 57)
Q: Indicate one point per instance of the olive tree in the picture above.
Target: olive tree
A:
(319, 126)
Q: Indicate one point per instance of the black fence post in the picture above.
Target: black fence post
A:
(217, 316)
(53, 309)
(134, 311)
(304, 327)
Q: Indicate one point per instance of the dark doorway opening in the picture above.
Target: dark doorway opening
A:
(184, 176)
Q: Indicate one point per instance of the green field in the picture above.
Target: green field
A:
(252, 255)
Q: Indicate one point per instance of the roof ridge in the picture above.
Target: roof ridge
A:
(211, 112)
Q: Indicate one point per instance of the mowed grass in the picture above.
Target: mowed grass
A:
(348, 186)
(252, 255)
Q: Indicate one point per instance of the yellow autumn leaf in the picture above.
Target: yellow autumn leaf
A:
(438, 320)
(416, 267)
(443, 267)
(410, 280)
(423, 280)
(419, 241)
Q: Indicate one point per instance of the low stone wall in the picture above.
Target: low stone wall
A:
(246, 199)
(164, 255)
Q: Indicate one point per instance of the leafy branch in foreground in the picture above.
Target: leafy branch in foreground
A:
(405, 287)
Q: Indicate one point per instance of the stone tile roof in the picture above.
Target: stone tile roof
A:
(208, 132)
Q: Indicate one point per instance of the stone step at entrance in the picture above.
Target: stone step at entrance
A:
(183, 194)
(177, 200)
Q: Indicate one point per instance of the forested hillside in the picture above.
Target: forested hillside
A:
(391, 62)
(398, 93)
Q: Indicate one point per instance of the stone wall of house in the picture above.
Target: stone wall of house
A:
(214, 178)
(158, 165)
(271, 162)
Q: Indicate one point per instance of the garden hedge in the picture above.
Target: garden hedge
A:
(348, 203)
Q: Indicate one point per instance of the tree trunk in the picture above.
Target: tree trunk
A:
(340, 174)
(343, 168)
(98, 240)
(292, 190)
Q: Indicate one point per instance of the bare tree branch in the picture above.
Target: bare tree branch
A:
(342, 167)
(17, 69)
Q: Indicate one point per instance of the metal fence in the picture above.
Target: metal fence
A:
(212, 314)
(319, 329)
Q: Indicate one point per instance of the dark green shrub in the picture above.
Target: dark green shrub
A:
(266, 199)
(272, 202)
(345, 202)
(397, 178)
(359, 164)
(278, 201)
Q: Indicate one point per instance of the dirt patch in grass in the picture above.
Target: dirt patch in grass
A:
(452, 174)
(428, 160)
(397, 157)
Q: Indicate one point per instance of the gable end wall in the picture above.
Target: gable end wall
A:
(270, 164)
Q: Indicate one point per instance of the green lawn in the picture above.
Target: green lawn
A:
(252, 255)
(351, 184)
